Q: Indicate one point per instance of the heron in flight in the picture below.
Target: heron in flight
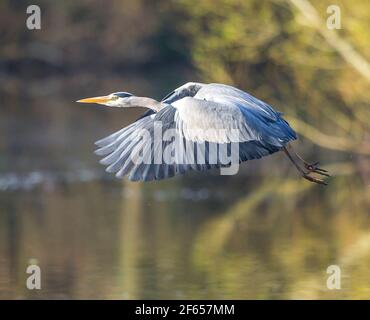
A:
(200, 114)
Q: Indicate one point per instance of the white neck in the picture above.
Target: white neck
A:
(146, 103)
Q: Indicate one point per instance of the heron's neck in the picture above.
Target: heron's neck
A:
(147, 103)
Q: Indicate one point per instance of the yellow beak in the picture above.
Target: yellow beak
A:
(101, 100)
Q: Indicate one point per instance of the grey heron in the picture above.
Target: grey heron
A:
(200, 114)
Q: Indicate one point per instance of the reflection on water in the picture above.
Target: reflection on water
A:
(262, 234)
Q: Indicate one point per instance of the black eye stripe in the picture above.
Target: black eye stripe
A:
(122, 94)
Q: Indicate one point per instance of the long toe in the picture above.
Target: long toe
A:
(315, 180)
(322, 172)
(313, 167)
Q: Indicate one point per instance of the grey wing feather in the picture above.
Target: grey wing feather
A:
(214, 90)
(262, 131)
(224, 119)
(120, 160)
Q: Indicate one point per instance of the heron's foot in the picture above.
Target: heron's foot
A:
(313, 167)
(310, 167)
(313, 179)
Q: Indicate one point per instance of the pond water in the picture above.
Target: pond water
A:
(262, 234)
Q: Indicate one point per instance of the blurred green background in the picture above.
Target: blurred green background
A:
(263, 234)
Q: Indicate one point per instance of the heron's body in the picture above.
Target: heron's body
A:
(203, 118)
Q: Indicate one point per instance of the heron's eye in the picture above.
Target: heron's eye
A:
(114, 98)
(122, 94)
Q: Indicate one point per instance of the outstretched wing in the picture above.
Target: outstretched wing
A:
(223, 114)
(204, 125)
(121, 150)
(214, 91)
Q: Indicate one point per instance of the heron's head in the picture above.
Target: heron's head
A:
(115, 99)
